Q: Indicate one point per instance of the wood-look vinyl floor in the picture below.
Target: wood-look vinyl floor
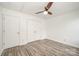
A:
(42, 48)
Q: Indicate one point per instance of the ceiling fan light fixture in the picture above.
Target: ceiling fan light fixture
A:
(46, 8)
(45, 12)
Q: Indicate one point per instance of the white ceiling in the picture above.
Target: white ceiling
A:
(33, 7)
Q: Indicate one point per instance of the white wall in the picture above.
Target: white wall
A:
(0, 31)
(64, 28)
(20, 28)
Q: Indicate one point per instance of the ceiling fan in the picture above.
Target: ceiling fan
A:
(46, 8)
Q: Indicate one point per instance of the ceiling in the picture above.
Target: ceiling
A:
(33, 7)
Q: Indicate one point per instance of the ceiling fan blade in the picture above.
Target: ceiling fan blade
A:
(46, 9)
(39, 12)
(49, 5)
(50, 13)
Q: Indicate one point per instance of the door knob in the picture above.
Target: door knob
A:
(18, 32)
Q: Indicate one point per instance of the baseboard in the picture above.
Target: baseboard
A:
(65, 43)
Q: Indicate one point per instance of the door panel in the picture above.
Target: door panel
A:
(11, 31)
(23, 31)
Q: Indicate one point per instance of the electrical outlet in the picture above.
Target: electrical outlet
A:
(66, 38)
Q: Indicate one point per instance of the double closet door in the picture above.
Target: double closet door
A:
(15, 31)
(19, 30)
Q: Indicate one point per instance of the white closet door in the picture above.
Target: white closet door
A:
(34, 32)
(11, 31)
(23, 31)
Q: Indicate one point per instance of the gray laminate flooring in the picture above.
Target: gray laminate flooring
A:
(42, 48)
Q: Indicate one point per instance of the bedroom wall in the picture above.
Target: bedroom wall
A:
(64, 28)
(0, 31)
(20, 28)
